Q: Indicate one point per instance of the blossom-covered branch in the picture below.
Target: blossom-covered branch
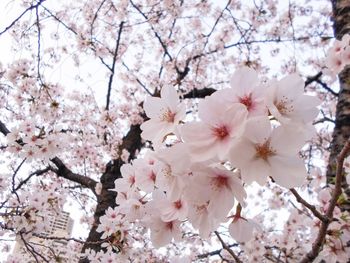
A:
(319, 241)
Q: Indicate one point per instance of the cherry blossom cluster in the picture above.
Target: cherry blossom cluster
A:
(31, 143)
(338, 56)
(244, 134)
(28, 211)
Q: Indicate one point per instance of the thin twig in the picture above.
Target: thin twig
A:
(214, 252)
(113, 65)
(160, 40)
(14, 177)
(21, 15)
(312, 208)
(325, 86)
(227, 248)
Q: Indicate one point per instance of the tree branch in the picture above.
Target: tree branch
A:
(325, 86)
(21, 15)
(312, 208)
(113, 64)
(214, 252)
(227, 248)
(66, 173)
(316, 246)
(3, 129)
(316, 78)
(165, 48)
(199, 93)
(36, 173)
(309, 80)
(62, 170)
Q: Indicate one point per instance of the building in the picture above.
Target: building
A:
(60, 223)
(56, 250)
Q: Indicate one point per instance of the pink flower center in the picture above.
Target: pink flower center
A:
(221, 132)
(247, 101)
(169, 225)
(282, 105)
(152, 176)
(200, 209)
(44, 150)
(132, 180)
(168, 116)
(220, 181)
(178, 204)
(113, 215)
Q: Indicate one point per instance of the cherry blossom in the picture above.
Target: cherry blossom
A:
(338, 55)
(218, 129)
(241, 229)
(215, 186)
(127, 182)
(245, 89)
(163, 232)
(172, 170)
(145, 174)
(110, 223)
(264, 153)
(201, 218)
(172, 210)
(164, 113)
(287, 102)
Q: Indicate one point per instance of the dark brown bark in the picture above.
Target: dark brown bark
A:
(63, 171)
(131, 142)
(341, 133)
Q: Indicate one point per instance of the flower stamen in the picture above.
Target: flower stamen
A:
(264, 151)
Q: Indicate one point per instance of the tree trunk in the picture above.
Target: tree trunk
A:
(132, 143)
(341, 133)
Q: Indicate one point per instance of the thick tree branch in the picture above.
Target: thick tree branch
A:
(199, 93)
(202, 93)
(3, 129)
(64, 172)
(132, 142)
(316, 77)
